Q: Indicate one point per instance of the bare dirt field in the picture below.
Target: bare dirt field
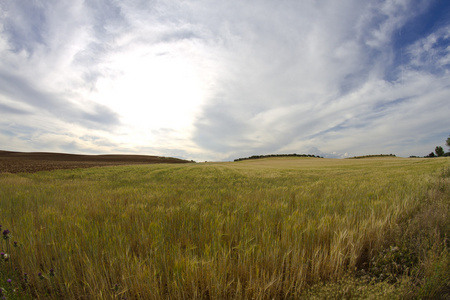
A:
(16, 162)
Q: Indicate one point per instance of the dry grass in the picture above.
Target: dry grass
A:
(271, 228)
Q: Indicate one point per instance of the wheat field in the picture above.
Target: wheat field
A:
(278, 228)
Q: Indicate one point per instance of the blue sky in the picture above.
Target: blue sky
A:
(218, 80)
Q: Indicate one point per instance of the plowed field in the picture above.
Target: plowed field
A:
(16, 162)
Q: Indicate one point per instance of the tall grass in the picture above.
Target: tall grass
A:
(265, 229)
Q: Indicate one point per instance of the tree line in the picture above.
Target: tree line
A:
(278, 155)
(439, 151)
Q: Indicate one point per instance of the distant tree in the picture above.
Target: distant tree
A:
(439, 151)
(430, 155)
(448, 142)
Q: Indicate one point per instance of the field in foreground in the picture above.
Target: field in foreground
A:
(272, 228)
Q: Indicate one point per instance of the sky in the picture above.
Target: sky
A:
(220, 80)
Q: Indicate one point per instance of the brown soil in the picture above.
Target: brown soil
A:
(16, 162)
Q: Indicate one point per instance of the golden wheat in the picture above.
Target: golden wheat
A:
(244, 230)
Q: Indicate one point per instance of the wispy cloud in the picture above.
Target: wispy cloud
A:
(220, 80)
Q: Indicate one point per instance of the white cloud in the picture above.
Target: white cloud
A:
(216, 80)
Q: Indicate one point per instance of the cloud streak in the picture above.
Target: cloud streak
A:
(220, 80)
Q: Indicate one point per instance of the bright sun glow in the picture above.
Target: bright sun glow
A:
(154, 91)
